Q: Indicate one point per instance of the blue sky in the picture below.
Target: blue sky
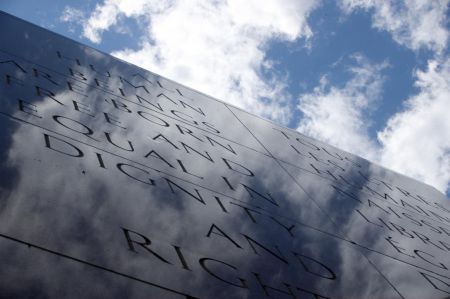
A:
(369, 76)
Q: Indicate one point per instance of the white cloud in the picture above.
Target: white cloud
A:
(416, 141)
(73, 17)
(217, 47)
(415, 24)
(71, 14)
(109, 12)
(339, 115)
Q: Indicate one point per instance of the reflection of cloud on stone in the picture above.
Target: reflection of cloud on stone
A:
(84, 218)
(343, 209)
(152, 219)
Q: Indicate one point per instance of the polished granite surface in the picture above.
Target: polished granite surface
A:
(116, 182)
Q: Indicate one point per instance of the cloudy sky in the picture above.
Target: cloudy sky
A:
(369, 76)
